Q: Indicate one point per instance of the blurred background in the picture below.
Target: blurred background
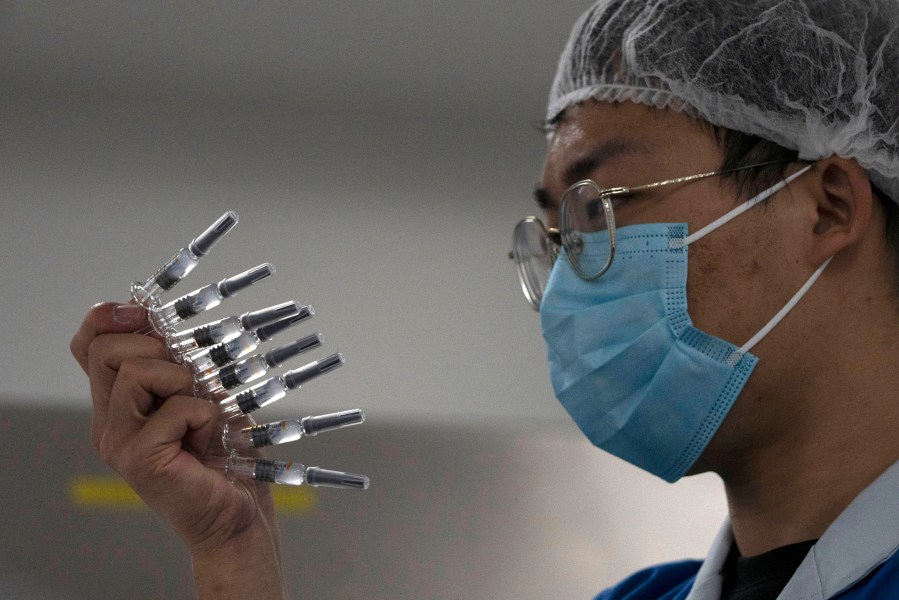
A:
(379, 154)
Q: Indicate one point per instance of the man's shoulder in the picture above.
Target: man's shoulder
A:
(669, 581)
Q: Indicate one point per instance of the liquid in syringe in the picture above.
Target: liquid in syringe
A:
(166, 317)
(282, 432)
(182, 343)
(276, 388)
(182, 263)
(219, 355)
(289, 473)
(215, 385)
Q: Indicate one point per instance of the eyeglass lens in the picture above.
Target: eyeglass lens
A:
(587, 228)
(533, 257)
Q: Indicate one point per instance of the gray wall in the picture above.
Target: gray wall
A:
(379, 154)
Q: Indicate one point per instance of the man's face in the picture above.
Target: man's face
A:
(740, 275)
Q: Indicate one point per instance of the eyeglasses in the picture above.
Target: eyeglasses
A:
(586, 208)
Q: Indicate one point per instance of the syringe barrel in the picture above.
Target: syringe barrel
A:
(276, 433)
(282, 432)
(228, 352)
(203, 336)
(188, 306)
(173, 271)
(289, 473)
(222, 354)
(231, 376)
(236, 466)
(207, 297)
(279, 471)
(183, 262)
(259, 436)
(229, 328)
(215, 384)
(257, 396)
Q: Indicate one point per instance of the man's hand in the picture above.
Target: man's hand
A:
(149, 427)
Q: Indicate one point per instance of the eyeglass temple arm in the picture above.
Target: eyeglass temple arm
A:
(688, 178)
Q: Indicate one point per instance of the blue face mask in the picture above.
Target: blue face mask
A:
(626, 361)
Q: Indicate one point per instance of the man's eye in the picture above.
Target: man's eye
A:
(544, 202)
(621, 198)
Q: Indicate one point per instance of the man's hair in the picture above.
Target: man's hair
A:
(741, 149)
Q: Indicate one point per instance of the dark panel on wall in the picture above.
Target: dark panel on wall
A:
(443, 505)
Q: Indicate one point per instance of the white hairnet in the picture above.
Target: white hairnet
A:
(817, 76)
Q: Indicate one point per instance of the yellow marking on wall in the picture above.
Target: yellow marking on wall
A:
(293, 499)
(111, 493)
(91, 491)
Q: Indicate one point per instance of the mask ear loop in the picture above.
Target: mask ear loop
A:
(736, 212)
(737, 355)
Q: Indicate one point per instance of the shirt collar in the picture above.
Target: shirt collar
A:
(862, 538)
(707, 585)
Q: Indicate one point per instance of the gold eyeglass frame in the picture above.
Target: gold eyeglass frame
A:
(565, 237)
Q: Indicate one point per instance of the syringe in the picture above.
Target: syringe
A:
(290, 473)
(282, 432)
(166, 317)
(213, 357)
(276, 388)
(223, 330)
(182, 263)
(215, 385)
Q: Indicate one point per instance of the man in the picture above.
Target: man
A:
(779, 375)
(723, 176)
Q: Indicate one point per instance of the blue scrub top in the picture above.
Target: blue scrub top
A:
(674, 581)
(855, 559)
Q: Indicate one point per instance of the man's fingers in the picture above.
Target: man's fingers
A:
(106, 317)
(105, 357)
(163, 466)
(190, 421)
(140, 385)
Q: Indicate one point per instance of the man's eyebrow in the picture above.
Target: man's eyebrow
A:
(581, 168)
(601, 154)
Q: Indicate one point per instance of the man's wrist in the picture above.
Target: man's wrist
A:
(247, 564)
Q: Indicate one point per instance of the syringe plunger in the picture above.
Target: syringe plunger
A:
(297, 377)
(318, 477)
(202, 243)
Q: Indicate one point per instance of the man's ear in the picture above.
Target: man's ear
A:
(844, 205)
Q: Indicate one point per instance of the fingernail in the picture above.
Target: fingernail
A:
(128, 313)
